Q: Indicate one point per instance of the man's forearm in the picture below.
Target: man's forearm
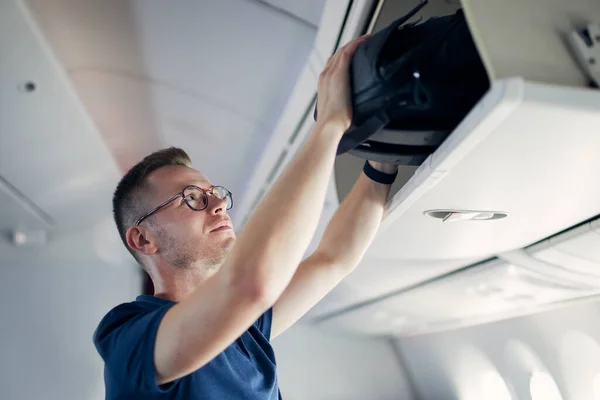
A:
(269, 250)
(355, 223)
(274, 240)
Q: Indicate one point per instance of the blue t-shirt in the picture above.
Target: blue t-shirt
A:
(125, 340)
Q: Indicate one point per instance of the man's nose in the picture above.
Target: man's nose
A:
(216, 205)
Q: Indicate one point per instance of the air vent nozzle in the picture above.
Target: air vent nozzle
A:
(465, 215)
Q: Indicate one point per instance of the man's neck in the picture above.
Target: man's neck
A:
(180, 283)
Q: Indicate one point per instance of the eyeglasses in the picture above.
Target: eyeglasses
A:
(196, 199)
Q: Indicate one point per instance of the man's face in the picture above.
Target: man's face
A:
(185, 238)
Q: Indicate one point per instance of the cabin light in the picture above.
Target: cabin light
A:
(484, 290)
(29, 237)
(20, 238)
(399, 321)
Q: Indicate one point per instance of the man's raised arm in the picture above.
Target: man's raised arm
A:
(268, 250)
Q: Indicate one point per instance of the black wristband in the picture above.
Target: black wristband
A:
(378, 176)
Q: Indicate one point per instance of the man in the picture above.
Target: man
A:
(205, 334)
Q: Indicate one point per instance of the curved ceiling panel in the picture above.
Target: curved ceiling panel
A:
(50, 151)
(204, 75)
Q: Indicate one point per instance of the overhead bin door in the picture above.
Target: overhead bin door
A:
(576, 252)
(487, 292)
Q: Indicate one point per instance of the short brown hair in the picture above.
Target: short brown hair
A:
(128, 204)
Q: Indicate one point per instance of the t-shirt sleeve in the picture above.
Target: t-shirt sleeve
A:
(125, 340)
(264, 323)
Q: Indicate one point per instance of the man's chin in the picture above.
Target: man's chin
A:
(229, 238)
(225, 245)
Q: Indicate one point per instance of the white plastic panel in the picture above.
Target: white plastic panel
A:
(595, 225)
(378, 276)
(308, 10)
(582, 242)
(296, 120)
(332, 20)
(576, 251)
(286, 132)
(487, 292)
(526, 38)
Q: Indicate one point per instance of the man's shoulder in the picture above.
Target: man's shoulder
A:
(124, 313)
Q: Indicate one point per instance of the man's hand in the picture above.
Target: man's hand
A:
(334, 105)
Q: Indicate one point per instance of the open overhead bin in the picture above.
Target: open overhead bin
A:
(524, 152)
(528, 153)
(520, 165)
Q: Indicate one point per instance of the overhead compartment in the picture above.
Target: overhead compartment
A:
(538, 52)
(573, 255)
(523, 152)
(583, 243)
(527, 151)
(487, 292)
(377, 277)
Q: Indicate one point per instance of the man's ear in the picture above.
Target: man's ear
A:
(140, 239)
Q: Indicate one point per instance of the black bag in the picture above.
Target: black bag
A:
(418, 81)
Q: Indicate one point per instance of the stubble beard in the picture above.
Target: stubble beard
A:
(207, 258)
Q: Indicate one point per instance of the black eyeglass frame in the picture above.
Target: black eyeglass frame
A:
(180, 194)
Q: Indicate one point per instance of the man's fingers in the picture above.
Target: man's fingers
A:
(342, 55)
(351, 46)
(348, 49)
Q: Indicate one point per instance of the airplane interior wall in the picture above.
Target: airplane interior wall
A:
(554, 355)
(322, 366)
(51, 300)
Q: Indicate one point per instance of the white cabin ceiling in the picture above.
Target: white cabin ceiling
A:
(51, 156)
(210, 76)
(308, 11)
